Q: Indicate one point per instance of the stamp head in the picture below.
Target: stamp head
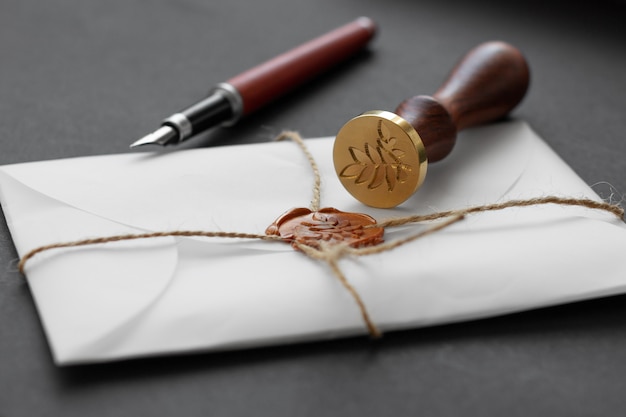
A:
(379, 158)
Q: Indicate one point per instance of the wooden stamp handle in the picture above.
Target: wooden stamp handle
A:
(484, 86)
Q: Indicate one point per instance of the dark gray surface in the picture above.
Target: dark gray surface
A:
(85, 77)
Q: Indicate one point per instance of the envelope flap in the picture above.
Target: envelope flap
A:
(84, 293)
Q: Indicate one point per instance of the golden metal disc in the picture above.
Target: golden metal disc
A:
(379, 158)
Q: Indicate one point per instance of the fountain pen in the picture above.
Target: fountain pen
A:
(241, 95)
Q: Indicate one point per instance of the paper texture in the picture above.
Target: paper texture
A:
(172, 295)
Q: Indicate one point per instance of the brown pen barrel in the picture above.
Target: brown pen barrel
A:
(271, 79)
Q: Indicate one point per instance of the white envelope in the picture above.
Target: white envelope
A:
(173, 295)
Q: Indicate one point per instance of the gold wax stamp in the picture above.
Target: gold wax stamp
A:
(381, 157)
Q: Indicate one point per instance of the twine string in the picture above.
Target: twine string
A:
(331, 254)
(317, 182)
(134, 236)
(563, 201)
(383, 247)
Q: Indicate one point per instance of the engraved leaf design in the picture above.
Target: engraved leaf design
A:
(366, 174)
(403, 173)
(391, 177)
(398, 153)
(358, 155)
(351, 171)
(378, 178)
(378, 164)
(373, 154)
(383, 132)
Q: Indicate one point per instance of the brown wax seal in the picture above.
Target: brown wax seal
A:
(307, 227)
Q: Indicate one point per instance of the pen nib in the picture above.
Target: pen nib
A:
(162, 136)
